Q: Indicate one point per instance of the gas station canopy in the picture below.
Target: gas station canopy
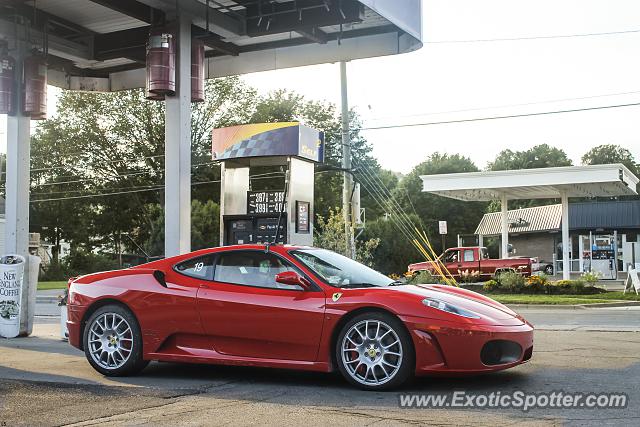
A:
(111, 45)
(100, 44)
(543, 183)
(528, 184)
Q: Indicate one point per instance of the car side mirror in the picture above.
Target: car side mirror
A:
(294, 279)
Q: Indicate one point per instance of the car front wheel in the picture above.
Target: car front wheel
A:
(374, 352)
(113, 342)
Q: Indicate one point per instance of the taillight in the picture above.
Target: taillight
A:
(70, 281)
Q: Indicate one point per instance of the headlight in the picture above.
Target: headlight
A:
(449, 308)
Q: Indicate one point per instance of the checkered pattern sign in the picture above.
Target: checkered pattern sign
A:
(276, 142)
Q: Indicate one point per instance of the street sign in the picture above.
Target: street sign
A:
(442, 226)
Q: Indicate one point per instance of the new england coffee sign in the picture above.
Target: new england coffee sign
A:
(11, 274)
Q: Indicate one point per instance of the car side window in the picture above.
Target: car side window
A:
(199, 268)
(451, 256)
(252, 268)
(468, 255)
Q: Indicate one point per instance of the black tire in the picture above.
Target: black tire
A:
(407, 365)
(548, 270)
(134, 362)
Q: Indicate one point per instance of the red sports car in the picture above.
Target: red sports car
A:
(289, 307)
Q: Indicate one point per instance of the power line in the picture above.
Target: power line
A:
(267, 175)
(159, 187)
(144, 189)
(509, 116)
(110, 178)
(555, 36)
(495, 107)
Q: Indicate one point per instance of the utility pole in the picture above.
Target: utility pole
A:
(347, 187)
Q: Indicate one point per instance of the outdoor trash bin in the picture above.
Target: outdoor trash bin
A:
(11, 274)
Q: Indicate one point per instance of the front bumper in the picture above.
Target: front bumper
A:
(452, 348)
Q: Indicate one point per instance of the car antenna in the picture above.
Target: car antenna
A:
(282, 208)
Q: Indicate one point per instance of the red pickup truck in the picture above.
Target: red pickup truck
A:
(475, 258)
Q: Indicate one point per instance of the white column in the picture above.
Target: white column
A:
(347, 184)
(566, 267)
(17, 194)
(505, 226)
(481, 240)
(177, 196)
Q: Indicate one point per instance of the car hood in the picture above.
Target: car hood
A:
(490, 311)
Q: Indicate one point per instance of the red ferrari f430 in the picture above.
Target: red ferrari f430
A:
(289, 307)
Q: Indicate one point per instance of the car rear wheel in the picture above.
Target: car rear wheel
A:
(375, 352)
(548, 270)
(113, 342)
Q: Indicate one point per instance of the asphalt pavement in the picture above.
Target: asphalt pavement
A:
(44, 381)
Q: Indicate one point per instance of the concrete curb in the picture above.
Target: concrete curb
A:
(47, 300)
(547, 306)
(613, 304)
(578, 306)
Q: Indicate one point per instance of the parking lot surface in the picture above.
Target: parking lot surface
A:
(44, 381)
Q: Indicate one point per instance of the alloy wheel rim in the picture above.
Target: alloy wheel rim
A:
(371, 352)
(110, 341)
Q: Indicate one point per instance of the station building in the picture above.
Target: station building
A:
(604, 235)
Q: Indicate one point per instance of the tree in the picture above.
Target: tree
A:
(285, 106)
(610, 153)
(205, 227)
(329, 234)
(462, 217)
(102, 159)
(540, 156)
(393, 254)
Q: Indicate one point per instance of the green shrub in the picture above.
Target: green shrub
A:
(422, 278)
(590, 277)
(80, 262)
(55, 271)
(575, 287)
(491, 286)
(535, 284)
(511, 282)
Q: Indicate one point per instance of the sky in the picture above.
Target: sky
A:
(491, 78)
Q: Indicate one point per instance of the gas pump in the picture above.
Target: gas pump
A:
(275, 215)
(603, 256)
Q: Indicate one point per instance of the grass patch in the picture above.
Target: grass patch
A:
(563, 299)
(629, 296)
(44, 286)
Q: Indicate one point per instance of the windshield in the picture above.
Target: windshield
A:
(338, 270)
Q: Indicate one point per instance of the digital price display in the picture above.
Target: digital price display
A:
(264, 202)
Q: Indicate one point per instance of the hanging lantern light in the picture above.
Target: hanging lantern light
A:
(7, 80)
(197, 70)
(34, 80)
(161, 63)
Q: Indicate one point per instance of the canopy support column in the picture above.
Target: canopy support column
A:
(177, 194)
(505, 226)
(566, 267)
(347, 184)
(17, 194)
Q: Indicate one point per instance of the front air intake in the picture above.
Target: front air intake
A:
(500, 352)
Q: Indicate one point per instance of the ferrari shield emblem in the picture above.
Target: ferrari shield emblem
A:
(336, 296)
